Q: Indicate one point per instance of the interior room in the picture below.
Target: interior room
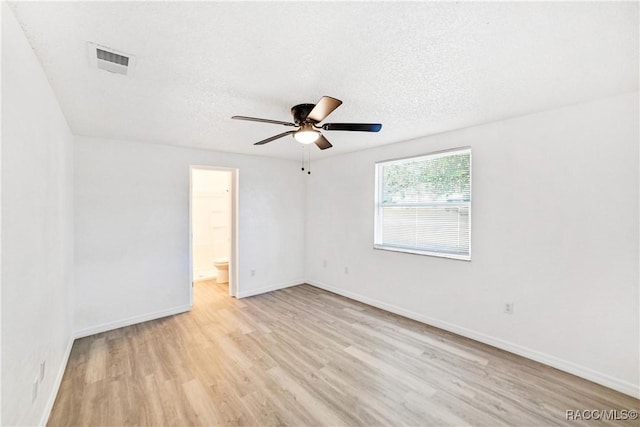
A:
(410, 213)
(211, 224)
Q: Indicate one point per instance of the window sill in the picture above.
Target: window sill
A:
(425, 253)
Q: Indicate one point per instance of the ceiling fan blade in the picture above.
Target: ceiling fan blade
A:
(273, 138)
(323, 108)
(358, 127)
(322, 143)
(255, 119)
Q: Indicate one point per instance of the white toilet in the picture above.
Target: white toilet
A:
(222, 265)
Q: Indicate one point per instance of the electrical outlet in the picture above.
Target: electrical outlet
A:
(34, 390)
(253, 273)
(43, 365)
(346, 270)
(508, 307)
(324, 263)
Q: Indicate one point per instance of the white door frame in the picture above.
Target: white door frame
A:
(234, 286)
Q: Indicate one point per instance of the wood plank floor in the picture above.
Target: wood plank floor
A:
(303, 356)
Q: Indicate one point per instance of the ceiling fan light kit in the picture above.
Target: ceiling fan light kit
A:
(306, 117)
(307, 134)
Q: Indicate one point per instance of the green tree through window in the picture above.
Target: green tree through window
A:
(440, 178)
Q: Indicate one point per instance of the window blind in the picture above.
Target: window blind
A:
(424, 204)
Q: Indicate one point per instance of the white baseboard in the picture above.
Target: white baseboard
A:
(204, 274)
(265, 289)
(131, 321)
(561, 364)
(56, 385)
(204, 278)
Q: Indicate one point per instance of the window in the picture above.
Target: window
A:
(423, 204)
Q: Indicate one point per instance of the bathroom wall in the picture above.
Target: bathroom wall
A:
(211, 220)
(132, 228)
(37, 233)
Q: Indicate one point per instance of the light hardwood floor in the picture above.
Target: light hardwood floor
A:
(303, 356)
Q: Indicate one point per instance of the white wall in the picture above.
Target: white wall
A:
(37, 232)
(132, 228)
(555, 230)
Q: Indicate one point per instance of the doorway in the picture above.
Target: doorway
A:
(213, 227)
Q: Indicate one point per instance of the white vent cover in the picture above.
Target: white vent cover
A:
(112, 60)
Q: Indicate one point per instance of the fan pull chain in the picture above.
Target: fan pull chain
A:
(309, 162)
(302, 159)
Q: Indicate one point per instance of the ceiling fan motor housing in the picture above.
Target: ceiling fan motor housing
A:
(300, 113)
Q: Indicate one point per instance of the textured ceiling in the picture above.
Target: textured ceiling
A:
(417, 68)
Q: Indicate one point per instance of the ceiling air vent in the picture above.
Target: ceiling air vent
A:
(112, 60)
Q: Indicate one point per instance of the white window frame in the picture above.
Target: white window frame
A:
(378, 230)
